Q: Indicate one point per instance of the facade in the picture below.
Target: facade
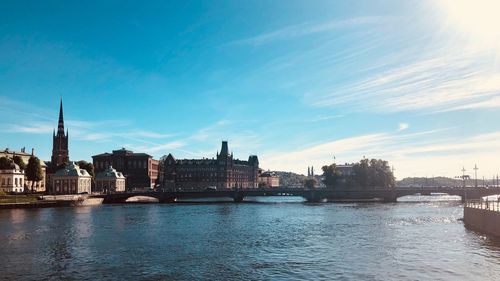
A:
(109, 180)
(71, 180)
(37, 186)
(139, 169)
(12, 180)
(221, 172)
(269, 179)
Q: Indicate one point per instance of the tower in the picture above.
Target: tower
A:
(60, 151)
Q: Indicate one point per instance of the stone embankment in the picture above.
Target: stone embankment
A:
(483, 216)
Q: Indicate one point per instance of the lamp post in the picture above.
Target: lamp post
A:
(475, 174)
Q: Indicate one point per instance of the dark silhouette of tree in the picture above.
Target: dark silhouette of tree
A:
(310, 183)
(89, 167)
(19, 161)
(6, 163)
(330, 175)
(34, 171)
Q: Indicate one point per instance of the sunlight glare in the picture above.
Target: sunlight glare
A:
(479, 19)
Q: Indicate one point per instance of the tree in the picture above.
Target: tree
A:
(34, 171)
(330, 175)
(89, 167)
(310, 183)
(19, 161)
(373, 173)
(6, 163)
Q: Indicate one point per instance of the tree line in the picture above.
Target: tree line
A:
(374, 173)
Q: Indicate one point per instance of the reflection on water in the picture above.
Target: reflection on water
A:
(268, 238)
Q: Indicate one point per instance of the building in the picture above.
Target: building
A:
(198, 174)
(60, 150)
(345, 170)
(71, 180)
(269, 179)
(140, 169)
(109, 180)
(37, 186)
(12, 180)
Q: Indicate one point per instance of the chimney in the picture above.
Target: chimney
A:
(32, 151)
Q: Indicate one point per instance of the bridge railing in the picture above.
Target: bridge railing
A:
(491, 205)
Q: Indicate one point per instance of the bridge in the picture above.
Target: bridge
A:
(311, 195)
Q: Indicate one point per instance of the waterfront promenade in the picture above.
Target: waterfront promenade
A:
(483, 215)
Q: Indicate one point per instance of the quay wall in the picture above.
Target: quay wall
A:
(482, 220)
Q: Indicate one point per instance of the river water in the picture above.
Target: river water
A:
(267, 239)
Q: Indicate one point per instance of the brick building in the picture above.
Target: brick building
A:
(221, 172)
(139, 169)
(269, 179)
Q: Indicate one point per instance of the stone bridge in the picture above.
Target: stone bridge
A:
(311, 195)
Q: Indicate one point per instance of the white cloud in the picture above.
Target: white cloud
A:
(304, 29)
(437, 82)
(403, 126)
(416, 154)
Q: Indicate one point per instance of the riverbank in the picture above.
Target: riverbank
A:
(483, 216)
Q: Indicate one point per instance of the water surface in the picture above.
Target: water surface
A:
(268, 239)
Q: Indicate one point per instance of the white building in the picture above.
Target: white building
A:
(71, 180)
(12, 180)
(37, 186)
(110, 180)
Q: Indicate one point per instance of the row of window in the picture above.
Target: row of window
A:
(18, 182)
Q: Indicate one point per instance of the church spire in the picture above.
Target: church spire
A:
(60, 125)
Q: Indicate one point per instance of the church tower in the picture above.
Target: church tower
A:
(60, 151)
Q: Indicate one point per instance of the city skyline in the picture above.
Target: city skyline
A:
(294, 88)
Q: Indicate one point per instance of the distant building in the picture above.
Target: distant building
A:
(37, 186)
(60, 150)
(109, 180)
(269, 179)
(222, 172)
(345, 170)
(140, 169)
(71, 180)
(12, 180)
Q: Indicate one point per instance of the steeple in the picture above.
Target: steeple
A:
(224, 151)
(60, 125)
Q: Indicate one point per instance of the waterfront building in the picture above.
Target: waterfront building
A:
(71, 180)
(345, 170)
(12, 180)
(60, 150)
(139, 169)
(221, 172)
(269, 179)
(109, 180)
(36, 186)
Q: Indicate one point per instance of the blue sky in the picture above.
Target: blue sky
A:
(296, 82)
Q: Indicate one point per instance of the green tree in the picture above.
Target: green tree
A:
(373, 173)
(362, 173)
(89, 167)
(6, 163)
(330, 175)
(19, 161)
(34, 171)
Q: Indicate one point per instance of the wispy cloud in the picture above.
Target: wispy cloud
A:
(441, 82)
(37, 128)
(303, 29)
(403, 126)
